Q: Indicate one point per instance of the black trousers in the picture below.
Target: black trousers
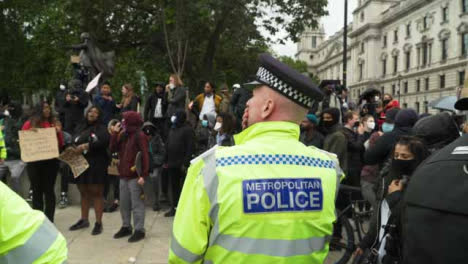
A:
(43, 175)
(115, 181)
(176, 178)
(65, 175)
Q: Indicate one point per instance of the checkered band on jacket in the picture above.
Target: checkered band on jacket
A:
(278, 159)
(274, 82)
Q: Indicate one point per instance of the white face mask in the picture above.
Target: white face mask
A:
(217, 126)
(371, 125)
(173, 119)
(171, 85)
(62, 87)
(376, 98)
(6, 113)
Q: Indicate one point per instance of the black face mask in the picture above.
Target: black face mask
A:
(403, 167)
(328, 124)
(356, 124)
(386, 102)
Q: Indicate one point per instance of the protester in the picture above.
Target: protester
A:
(335, 141)
(206, 103)
(112, 179)
(225, 125)
(176, 95)
(354, 133)
(385, 233)
(389, 102)
(64, 171)
(75, 103)
(129, 101)
(157, 151)
(238, 101)
(127, 139)
(310, 135)
(369, 125)
(404, 122)
(204, 134)
(12, 124)
(43, 173)
(92, 139)
(156, 107)
(106, 103)
(180, 147)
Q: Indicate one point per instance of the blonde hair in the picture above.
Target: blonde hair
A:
(177, 80)
(127, 98)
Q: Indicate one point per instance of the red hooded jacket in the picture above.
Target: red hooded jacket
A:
(127, 143)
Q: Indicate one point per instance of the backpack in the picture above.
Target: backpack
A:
(150, 151)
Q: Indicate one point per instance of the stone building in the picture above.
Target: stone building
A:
(416, 50)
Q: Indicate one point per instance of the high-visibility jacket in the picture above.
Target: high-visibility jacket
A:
(26, 235)
(3, 150)
(269, 199)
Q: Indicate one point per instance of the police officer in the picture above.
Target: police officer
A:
(269, 199)
(26, 235)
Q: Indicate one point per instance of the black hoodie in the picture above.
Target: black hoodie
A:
(180, 142)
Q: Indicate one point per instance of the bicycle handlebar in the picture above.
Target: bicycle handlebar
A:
(349, 188)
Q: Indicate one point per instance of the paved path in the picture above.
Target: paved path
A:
(104, 249)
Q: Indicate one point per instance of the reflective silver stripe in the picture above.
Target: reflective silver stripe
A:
(35, 247)
(182, 252)
(272, 247)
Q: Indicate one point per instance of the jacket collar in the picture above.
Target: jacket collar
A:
(268, 129)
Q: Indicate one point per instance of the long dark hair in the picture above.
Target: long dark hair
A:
(416, 146)
(84, 125)
(38, 117)
(229, 123)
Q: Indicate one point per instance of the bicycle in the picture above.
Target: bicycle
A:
(359, 218)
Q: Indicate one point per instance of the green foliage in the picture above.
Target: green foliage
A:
(222, 38)
(298, 65)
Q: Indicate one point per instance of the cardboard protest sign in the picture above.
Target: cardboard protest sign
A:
(76, 161)
(113, 167)
(38, 144)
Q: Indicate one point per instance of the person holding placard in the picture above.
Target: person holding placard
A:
(92, 139)
(43, 173)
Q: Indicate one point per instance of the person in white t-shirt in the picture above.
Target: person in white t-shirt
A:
(206, 103)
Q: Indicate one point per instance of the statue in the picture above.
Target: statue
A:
(143, 82)
(92, 61)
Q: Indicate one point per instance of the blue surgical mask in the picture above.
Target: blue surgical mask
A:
(204, 123)
(387, 127)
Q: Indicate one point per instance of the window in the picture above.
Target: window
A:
(384, 40)
(360, 71)
(393, 89)
(425, 25)
(444, 46)
(418, 85)
(426, 84)
(426, 107)
(382, 90)
(405, 87)
(314, 42)
(395, 35)
(408, 30)
(461, 78)
(416, 105)
(362, 47)
(395, 64)
(442, 81)
(384, 67)
(407, 60)
(362, 16)
(405, 105)
(464, 43)
(419, 55)
(425, 53)
(465, 6)
(444, 14)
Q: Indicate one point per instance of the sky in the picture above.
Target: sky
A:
(332, 23)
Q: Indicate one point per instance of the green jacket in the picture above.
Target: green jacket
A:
(26, 235)
(269, 199)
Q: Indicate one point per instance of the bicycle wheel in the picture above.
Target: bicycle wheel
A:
(345, 244)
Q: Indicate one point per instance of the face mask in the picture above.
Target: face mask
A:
(327, 124)
(204, 123)
(6, 113)
(371, 125)
(217, 126)
(172, 86)
(376, 98)
(62, 87)
(356, 124)
(387, 127)
(173, 119)
(386, 102)
(403, 167)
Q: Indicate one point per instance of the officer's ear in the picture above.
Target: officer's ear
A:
(267, 108)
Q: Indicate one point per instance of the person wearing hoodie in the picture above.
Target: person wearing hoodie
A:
(310, 136)
(156, 107)
(157, 151)
(335, 141)
(404, 122)
(354, 133)
(180, 147)
(127, 139)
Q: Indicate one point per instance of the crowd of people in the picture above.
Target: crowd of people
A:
(125, 146)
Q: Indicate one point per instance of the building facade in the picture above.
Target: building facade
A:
(416, 50)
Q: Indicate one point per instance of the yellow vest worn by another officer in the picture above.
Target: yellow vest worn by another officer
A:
(269, 199)
(26, 235)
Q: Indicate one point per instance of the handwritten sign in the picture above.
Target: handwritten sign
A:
(40, 144)
(76, 161)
